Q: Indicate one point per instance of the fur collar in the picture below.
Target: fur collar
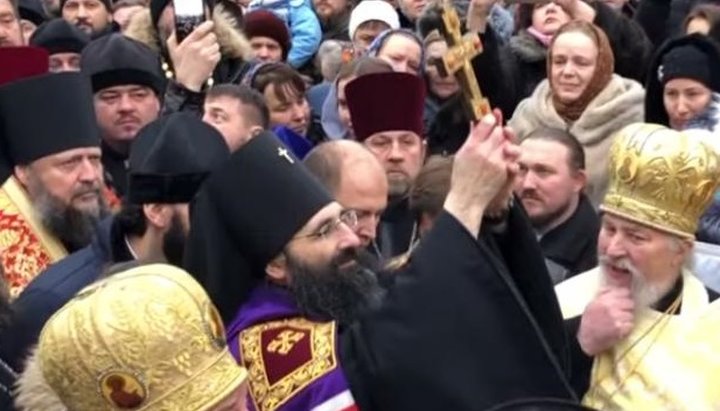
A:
(233, 43)
(527, 48)
(32, 391)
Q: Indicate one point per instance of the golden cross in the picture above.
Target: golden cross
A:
(282, 152)
(285, 341)
(457, 62)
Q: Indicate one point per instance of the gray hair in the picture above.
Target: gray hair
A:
(675, 243)
(329, 58)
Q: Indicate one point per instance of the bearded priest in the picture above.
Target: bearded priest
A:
(644, 329)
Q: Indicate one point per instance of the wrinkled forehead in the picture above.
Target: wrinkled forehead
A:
(623, 223)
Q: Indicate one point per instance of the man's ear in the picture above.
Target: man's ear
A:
(158, 215)
(684, 250)
(277, 269)
(255, 130)
(580, 181)
(22, 173)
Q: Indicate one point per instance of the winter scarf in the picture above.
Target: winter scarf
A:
(618, 104)
(604, 68)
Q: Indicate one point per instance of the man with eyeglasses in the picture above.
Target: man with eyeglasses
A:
(307, 318)
(355, 178)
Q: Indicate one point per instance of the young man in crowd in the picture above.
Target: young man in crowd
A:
(128, 83)
(237, 112)
(550, 186)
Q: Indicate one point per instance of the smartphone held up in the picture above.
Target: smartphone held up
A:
(188, 15)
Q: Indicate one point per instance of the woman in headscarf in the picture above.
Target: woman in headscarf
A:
(584, 96)
(401, 48)
(509, 73)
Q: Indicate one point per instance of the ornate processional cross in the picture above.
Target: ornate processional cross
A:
(461, 50)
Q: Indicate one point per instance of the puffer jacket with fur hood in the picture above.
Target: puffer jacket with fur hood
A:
(234, 46)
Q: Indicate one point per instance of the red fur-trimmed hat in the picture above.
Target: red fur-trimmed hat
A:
(22, 62)
(386, 102)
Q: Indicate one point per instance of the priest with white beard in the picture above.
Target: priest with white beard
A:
(644, 331)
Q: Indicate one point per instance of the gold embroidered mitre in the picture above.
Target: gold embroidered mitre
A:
(661, 178)
(145, 339)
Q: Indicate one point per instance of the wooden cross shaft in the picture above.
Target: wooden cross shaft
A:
(457, 62)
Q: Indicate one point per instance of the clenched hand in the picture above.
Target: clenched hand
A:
(481, 170)
(609, 318)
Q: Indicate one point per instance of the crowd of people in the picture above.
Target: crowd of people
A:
(289, 208)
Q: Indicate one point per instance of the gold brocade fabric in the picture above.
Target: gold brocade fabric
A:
(145, 339)
(26, 248)
(285, 356)
(674, 366)
(669, 362)
(661, 177)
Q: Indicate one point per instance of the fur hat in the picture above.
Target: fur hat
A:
(264, 23)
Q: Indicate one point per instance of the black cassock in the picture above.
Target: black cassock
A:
(467, 325)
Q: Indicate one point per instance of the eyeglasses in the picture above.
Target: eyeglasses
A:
(348, 217)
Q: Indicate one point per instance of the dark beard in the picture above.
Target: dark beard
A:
(74, 228)
(334, 293)
(173, 245)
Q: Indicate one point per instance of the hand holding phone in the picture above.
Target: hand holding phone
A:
(195, 59)
(189, 14)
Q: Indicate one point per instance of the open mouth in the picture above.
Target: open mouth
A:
(617, 273)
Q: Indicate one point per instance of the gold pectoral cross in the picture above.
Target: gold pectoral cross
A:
(457, 62)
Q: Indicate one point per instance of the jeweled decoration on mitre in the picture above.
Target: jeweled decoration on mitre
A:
(661, 177)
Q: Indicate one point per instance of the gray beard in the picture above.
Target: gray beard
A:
(74, 228)
(398, 188)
